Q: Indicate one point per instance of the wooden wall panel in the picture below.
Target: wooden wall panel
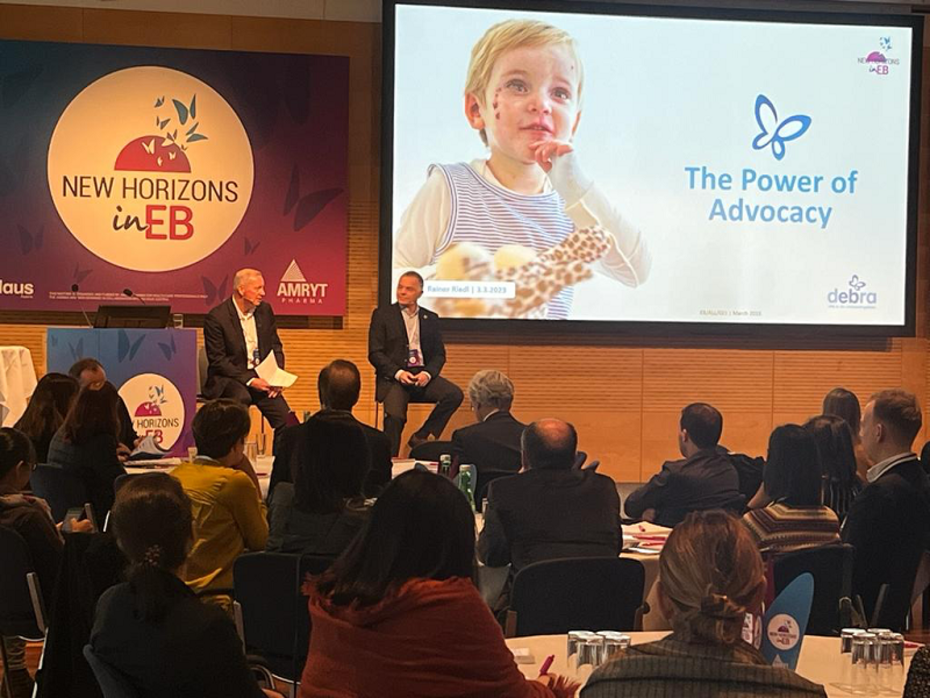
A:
(623, 394)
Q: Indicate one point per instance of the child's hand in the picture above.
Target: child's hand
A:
(545, 151)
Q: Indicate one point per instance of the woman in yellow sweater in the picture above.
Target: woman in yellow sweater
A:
(228, 511)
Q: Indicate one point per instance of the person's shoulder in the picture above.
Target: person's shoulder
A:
(428, 314)
(467, 430)
(116, 597)
(219, 310)
(511, 485)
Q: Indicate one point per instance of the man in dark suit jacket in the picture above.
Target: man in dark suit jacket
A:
(238, 334)
(493, 444)
(550, 510)
(88, 371)
(704, 479)
(889, 521)
(405, 346)
(339, 385)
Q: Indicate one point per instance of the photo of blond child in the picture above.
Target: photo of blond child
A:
(527, 213)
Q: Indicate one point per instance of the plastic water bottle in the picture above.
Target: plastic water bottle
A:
(445, 465)
(467, 485)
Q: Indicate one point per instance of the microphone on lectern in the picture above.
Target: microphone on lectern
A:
(130, 294)
(74, 289)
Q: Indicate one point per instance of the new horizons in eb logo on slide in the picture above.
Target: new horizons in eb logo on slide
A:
(150, 169)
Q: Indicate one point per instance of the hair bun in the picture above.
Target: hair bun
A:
(721, 607)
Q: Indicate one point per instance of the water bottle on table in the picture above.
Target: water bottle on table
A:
(467, 485)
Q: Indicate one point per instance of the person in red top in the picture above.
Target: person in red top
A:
(398, 614)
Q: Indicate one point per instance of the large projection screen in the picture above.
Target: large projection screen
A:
(653, 167)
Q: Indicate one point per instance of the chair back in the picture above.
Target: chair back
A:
(275, 615)
(596, 593)
(21, 612)
(831, 566)
(113, 683)
(431, 450)
(61, 488)
(202, 365)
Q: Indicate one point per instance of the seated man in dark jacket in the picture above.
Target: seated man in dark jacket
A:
(493, 444)
(889, 520)
(704, 479)
(339, 385)
(550, 510)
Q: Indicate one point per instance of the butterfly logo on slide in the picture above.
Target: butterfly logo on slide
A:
(776, 133)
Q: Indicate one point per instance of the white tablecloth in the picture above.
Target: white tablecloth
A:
(17, 381)
(820, 662)
(263, 467)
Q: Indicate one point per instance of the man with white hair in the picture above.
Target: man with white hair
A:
(238, 334)
(494, 442)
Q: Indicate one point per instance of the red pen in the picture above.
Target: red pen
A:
(544, 669)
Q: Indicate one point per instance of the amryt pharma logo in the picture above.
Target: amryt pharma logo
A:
(156, 407)
(150, 169)
(294, 287)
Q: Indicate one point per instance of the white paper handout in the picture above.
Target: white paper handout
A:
(275, 376)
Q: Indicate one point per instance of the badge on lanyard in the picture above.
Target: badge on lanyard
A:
(413, 358)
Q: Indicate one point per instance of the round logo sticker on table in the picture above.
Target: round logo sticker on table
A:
(783, 631)
(156, 407)
(150, 169)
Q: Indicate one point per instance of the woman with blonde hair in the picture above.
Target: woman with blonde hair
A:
(710, 577)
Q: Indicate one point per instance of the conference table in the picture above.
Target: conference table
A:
(820, 662)
(642, 542)
(262, 466)
(17, 381)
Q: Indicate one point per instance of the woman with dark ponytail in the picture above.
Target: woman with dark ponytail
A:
(710, 576)
(152, 628)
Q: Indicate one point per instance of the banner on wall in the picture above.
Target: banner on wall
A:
(163, 171)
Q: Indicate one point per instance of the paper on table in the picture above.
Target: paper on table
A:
(274, 375)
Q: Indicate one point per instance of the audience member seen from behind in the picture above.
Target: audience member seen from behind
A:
(152, 628)
(46, 411)
(551, 509)
(889, 521)
(87, 445)
(793, 482)
(226, 498)
(844, 404)
(325, 508)
(493, 444)
(398, 615)
(841, 484)
(338, 384)
(91, 372)
(710, 576)
(704, 479)
(30, 517)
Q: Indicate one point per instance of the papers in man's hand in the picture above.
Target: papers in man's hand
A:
(276, 377)
(147, 449)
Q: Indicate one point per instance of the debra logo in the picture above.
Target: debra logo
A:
(774, 133)
(16, 288)
(854, 296)
(150, 169)
(156, 407)
(783, 631)
(878, 61)
(294, 287)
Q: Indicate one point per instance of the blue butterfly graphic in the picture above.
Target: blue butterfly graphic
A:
(855, 283)
(774, 133)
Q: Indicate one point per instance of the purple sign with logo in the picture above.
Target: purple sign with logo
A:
(163, 171)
